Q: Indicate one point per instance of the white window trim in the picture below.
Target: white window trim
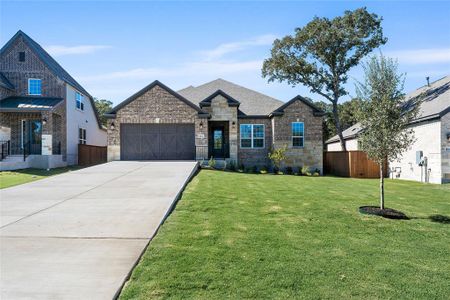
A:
(81, 102)
(251, 136)
(298, 136)
(85, 134)
(40, 80)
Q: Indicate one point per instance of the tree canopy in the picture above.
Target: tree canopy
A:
(320, 54)
(102, 106)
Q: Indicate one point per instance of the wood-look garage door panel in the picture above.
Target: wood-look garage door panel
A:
(157, 141)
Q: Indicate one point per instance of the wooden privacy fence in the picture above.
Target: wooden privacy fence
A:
(351, 164)
(89, 155)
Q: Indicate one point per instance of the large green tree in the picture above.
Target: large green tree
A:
(102, 106)
(384, 114)
(320, 55)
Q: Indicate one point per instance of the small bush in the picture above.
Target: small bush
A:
(255, 169)
(241, 168)
(305, 170)
(231, 166)
(248, 170)
(275, 170)
(263, 170)
(212, 162)
(289, 170)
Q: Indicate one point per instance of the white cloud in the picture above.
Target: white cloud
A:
(59, 50)
(421, 56)
(226, 48)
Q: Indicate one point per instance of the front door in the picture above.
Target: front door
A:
(32, 136)
(218, 142)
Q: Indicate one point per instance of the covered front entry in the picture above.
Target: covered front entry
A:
(157, 142)
(218, 139)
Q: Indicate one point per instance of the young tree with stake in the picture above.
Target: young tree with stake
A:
(320, 55)
(384, 114)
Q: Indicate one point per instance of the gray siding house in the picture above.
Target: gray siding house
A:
(218, 119)
(44, 112)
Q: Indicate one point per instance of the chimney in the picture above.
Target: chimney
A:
(428, 80)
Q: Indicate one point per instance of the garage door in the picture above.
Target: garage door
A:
(157, 141)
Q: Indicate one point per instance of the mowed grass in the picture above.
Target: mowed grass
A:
(240, 236)
(12, 178)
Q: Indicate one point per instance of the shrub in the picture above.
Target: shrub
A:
(305, 170)
(212, 162)
(289, 170)
(277, 156)
(299, 171)
(263, 170)
(275, 170)
(255, 169)
(231, 166)
(248, 169)
(241, 168)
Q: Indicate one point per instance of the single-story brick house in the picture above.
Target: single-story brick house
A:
(44, 112)
(432, 133)
(218, 119)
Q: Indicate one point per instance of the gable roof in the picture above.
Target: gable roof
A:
(251, 102)
(25, 103)
(4, 82)
(207, 101)
(112, 112)
(52, 64)
(280, 110)
(435, 103)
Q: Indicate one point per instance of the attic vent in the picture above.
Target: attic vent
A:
(22, 56)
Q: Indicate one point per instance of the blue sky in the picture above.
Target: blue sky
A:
(114, 48)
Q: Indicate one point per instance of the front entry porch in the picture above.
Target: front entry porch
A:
(31, 140)
(218, 139)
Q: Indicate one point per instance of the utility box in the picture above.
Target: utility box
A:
(419, 155)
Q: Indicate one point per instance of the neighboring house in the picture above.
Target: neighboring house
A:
(44, 112)
(218, 119)
(432, 133)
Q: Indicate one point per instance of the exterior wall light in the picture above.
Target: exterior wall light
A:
(112, 126)
(44, 121)
(233, 124)
(201, 125)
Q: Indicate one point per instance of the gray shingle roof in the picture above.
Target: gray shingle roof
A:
(251, 102)
(4, 82)
(435, 103)
(21, 103)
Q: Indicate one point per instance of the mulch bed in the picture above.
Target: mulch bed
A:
(388, 213)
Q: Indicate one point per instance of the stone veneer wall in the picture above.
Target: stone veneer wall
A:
(445, 148)
(256, 157)
(311, 154)
(221, 111)
(156, 106)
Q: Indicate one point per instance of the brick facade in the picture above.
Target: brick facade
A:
(256, 157)
(156, 106)
(311, 154)
(18, 74)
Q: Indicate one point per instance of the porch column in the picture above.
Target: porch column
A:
(47, 132)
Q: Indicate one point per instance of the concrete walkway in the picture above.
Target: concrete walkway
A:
(78, 235)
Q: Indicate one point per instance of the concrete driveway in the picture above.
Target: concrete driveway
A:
(78, 235)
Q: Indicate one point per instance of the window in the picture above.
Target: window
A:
(252, 135)
(79, 99)
(34, 86)
(21, 56)
(298, 134)
(81, 136)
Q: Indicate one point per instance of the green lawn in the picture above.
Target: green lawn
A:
(241, 236)
(12, 178)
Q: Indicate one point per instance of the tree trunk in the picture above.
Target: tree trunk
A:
(337, 124)
(381, 187)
